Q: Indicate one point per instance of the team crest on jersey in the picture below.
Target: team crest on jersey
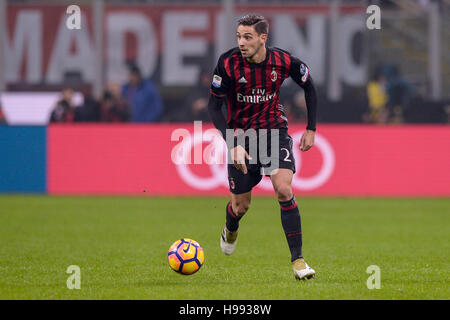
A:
(217, 81)
(232, 184)
(273, 75)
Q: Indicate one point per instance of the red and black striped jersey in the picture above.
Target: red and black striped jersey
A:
(252, 90)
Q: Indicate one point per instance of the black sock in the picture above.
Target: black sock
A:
(290, 219)
(232, 219)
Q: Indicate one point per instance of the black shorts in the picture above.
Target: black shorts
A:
(242, 183)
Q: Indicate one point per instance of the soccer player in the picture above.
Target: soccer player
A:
(248, 78)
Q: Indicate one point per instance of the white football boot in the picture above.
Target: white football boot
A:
(301, 270)
(228, 241)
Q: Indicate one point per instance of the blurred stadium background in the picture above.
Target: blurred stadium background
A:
(384, 95)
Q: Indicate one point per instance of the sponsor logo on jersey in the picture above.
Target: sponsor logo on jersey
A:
(217, 81)
(257, 96)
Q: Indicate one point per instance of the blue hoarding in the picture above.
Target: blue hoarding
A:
(23, 159)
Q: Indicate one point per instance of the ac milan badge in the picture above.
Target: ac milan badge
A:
(232, 184)
(273, 76)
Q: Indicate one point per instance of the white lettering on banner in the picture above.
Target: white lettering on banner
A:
(176, 47)
(224, 34)
(27, 41)
(63, 60)
(118, 25)
(350, 71)
(169, 25)
(218, 167)
(287, 35)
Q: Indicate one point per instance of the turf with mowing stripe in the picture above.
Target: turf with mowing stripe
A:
(121, 243)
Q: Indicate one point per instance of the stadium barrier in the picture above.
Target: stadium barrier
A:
(347, 160)
(23, 159)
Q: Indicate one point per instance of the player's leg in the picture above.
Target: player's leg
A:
(290, 214)
(291, 221)
(282, 183)
(241, 186)
(236, 208)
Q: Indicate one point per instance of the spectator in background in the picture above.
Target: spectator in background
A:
(64, 110)
(143, 98)
(2, 116)
(377, 99)
(89, 111)
(114, 108)
(399, 92)
(447, 112)
(196, 105)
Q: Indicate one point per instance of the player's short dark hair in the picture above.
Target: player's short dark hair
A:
(257, 21)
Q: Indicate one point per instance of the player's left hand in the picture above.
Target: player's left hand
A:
(307, 140)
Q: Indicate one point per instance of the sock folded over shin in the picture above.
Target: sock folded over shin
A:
(232, 221)
(291, 221)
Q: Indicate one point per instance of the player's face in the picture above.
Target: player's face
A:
(249, 41)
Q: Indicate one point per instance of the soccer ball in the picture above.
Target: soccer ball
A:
(186, 256)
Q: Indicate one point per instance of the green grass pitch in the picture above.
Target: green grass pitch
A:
(121, 243)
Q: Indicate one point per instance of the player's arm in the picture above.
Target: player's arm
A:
(219, 89)
(215, 112)
(300, 73)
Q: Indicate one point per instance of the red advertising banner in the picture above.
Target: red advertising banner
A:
(347, 160)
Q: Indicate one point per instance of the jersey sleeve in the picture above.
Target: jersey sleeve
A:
(299, 72)
(221, 81)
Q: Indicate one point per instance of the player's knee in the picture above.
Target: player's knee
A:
(241, 208)
(284, 193)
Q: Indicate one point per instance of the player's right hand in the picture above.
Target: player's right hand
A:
(238, 155)
(307, 140)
